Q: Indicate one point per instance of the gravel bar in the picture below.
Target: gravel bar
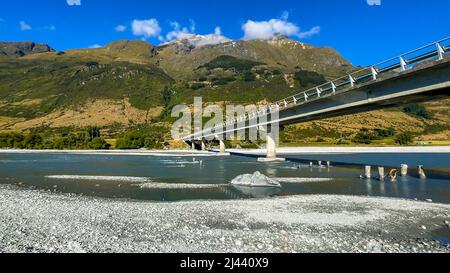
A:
(42, 221)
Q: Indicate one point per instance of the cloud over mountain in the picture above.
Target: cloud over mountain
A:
(188, 35)
(268, 29)
(146, 28)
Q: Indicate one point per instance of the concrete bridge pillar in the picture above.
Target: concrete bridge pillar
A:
(203, 146)
(271, 150)
(193, 145)
(271, 146)
(222, 147)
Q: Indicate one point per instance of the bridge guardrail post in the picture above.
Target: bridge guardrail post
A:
(374, 73)
(352, 80)
(333, 87)
(403, 64)
(440, 51)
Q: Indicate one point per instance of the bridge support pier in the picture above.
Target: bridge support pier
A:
(222, 147)
(271, 150)
(203, 146)
(193, 145)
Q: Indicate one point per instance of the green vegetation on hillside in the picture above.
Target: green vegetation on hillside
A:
(72, 89)
(150, 138)
(89, 139)
(309, 78)
(67, 83)
(417, 110)
(230, 62)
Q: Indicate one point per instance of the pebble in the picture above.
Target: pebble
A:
(59, 223)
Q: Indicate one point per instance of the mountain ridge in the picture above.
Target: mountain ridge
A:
(129, 83)
(20, 49)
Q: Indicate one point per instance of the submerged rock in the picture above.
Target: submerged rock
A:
(255, 180)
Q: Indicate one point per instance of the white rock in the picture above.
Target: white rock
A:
(255, 180)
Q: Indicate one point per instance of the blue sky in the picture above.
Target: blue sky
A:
(362, 33)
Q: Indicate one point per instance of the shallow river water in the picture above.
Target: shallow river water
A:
(184, 178)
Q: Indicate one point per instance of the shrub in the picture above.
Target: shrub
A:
(308, 78)
(248, 76)
(131, 140)
(196, 86)
(364, 137)
(9, 140)
(228, 62)
(98, 144)
(417, 110)
(384, 133)
(405, 138)
(320, 140)
(32, 141)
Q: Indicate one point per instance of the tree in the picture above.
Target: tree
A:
(364, 137)
(93, 132)
(98, 144)
(404, 139)
(167, 95)
(32, 141)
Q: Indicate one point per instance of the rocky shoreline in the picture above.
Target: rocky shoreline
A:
(38, 221)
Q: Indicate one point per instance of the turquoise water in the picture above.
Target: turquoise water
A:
(153, 178)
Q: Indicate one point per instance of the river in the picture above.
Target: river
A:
(154, 178)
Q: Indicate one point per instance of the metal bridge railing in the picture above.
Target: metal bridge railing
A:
(400, 63)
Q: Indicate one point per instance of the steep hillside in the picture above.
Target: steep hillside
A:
(279, 53)
(21, 49)
(41, 87)
(126, 84)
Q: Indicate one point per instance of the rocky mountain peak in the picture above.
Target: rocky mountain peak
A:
(20, 49)
(191, 42)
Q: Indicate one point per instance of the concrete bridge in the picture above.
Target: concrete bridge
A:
(416, 76)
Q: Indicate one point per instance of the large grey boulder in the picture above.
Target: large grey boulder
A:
(255, 180)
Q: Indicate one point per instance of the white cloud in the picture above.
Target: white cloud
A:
(374, 2)
(182, 33)
(309, 33)
(268, 29)
(95, 46)
(120, 28)
(179, 32)
(24, 26)
(146, 28)
(218, 31)
(73, 2)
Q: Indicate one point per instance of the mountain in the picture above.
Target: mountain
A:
(279, 53)
(21, 49)
(187, 44)
(127, 83)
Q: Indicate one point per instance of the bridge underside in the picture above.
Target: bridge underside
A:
(426, 82)
(408, 87)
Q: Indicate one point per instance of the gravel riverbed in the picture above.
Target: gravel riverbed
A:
(38, 221)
